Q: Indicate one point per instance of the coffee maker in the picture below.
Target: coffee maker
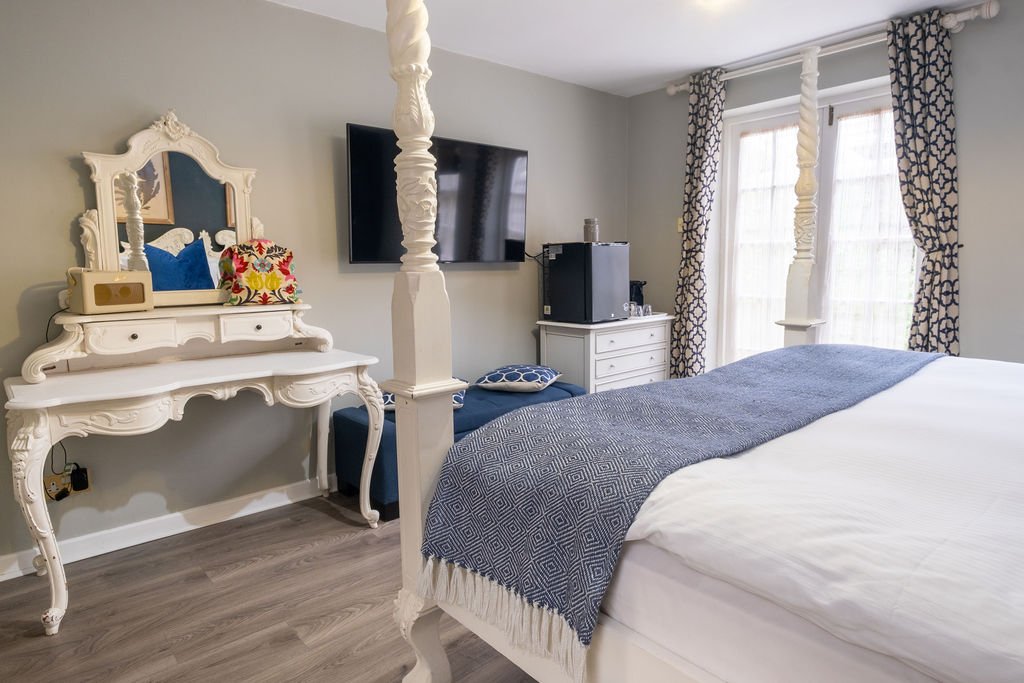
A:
(636, 291)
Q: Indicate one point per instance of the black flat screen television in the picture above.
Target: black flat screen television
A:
(481, 200)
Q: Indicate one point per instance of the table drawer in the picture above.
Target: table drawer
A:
(619, 340)
(630, 362)
(129, 336)
(632, 380)
(255, 326)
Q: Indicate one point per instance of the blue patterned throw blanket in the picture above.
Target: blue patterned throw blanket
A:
(531, 510)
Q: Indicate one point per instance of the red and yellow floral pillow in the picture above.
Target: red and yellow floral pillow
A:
(258, 272)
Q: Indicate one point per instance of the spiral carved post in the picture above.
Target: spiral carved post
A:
(800, 322)
(421, 333)
(128, 184)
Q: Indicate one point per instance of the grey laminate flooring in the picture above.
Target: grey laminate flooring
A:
(300, 593)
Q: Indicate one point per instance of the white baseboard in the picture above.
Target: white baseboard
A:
(108, 540)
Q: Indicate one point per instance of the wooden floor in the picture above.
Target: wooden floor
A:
(300, 593)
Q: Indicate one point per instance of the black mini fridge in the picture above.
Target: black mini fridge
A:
(586, 282)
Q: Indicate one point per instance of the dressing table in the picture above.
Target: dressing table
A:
(124, 374)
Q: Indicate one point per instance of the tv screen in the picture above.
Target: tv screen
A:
(481, 200)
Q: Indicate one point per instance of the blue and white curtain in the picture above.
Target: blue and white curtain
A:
(703, 153)
(921, 76)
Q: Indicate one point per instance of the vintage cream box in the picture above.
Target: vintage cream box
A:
(99, 291)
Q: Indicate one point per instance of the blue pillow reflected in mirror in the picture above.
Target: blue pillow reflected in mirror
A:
(188, 270)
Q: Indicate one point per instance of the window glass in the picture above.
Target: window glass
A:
(872, 259)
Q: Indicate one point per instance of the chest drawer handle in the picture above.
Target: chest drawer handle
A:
(652, 335)
(651, 358)
(259, 327)
(134, 336)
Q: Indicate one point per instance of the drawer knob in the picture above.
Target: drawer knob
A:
(134, 336)
(611, 366)
(652, 335)
(259, 327)
(651, 358)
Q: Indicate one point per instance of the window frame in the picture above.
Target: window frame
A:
(847, 99)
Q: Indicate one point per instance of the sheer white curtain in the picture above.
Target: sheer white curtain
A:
(871, 260)
(762, 240)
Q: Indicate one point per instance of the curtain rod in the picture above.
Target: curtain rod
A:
(953, 21)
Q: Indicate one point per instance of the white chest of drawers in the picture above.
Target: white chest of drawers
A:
(606, 356)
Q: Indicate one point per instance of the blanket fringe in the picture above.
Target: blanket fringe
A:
(529, 626)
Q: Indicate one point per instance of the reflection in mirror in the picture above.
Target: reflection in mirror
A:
(188, 220)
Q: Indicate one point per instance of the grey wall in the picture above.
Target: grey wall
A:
(272, 88)
(989, 82)
(988, 68)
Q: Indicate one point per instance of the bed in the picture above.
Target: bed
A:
(779, 568)
(896, 558)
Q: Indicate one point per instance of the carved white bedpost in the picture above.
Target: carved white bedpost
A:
(421, 332)
(799, 322)
(128, 184)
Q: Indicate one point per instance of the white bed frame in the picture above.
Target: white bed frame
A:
(421, 332)
(423, 384)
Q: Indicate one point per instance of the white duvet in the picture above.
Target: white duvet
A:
(897, 525)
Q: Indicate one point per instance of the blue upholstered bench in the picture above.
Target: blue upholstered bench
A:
(350, 427)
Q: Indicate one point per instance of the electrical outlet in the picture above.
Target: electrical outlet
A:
(60, 486)
(55, 483)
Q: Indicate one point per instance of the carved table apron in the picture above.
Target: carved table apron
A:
(140, 399)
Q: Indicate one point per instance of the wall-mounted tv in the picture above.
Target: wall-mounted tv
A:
(481, 200)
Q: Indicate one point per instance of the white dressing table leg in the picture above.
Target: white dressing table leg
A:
(28, 434)
(370, 393)
(323, 428)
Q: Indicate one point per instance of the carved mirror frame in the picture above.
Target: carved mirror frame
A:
(167, 134)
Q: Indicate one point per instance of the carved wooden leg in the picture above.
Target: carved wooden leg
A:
(419, 623)
(370, 393)
(323, 428)
(28, 434)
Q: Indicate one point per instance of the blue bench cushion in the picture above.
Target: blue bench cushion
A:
(352, 424)
(482, 406)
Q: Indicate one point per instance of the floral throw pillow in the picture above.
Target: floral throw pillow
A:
(258, 272)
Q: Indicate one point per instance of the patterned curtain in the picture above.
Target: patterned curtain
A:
(703, 152)
(920, 72)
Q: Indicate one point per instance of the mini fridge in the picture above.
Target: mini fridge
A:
(586, 282)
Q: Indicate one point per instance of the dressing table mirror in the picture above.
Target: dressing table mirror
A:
(193, 206)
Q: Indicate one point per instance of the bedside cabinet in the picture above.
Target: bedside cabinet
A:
(606, 356)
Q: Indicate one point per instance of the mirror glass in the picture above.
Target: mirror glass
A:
(188, 220)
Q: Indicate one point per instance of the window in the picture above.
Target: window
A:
(872, 259)
(866, 257)
(763, 243)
